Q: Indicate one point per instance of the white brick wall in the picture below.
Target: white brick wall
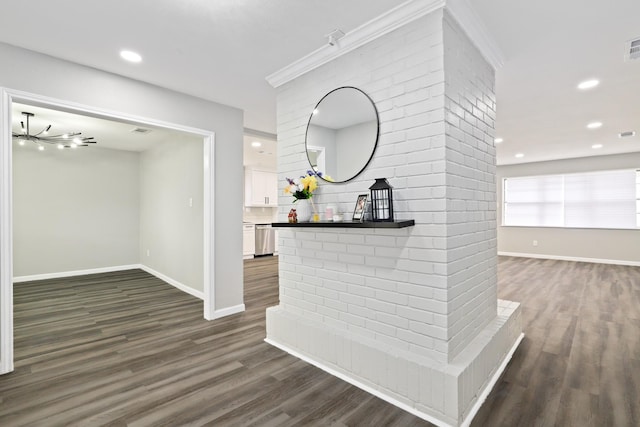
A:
(436, 109)
(395, 308)
(471, 220)
(390, 272)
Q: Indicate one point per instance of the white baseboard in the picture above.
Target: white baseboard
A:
(172, 282)
(571, 258)
(228, 311)
(492, 382)
(378, 393)
(61, 274)
(19, 279)
(359, 384)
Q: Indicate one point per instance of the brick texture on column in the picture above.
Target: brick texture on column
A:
(411, 313)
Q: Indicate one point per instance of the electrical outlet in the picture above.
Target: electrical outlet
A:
(147, 252)
(535, 243)
(190, 202)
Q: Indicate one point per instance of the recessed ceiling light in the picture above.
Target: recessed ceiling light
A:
(40, 147)
(498, 140)
(596, 146)
(588, 84)
(256, 144)
(519, 155)
(594, 125)
(130, 56)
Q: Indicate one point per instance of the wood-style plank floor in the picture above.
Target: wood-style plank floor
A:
(127, 349)
(579, 363)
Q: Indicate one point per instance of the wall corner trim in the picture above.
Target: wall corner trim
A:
(228, 311)
(473, 26)
(377, 27)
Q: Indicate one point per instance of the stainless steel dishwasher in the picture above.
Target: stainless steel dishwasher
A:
(265, 239)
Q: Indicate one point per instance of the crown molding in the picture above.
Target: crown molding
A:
(383, 24)
(401, 15)
(472, 25)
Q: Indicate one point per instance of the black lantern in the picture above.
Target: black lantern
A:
(381, 200)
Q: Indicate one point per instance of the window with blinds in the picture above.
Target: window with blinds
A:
(609, 199)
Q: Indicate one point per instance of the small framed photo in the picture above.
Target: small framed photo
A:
(361, 203)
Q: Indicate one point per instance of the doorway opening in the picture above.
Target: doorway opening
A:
(7, 204)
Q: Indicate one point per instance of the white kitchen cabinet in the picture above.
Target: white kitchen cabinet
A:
(260, 188)
(248, 240)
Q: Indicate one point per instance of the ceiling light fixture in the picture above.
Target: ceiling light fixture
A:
(519, 155)
(130, 56)
(588, 84)
(498, 140)
(256, 144)
(41, 137)
(596, 146)
(594, 125)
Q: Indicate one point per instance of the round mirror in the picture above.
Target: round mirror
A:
(342, 134)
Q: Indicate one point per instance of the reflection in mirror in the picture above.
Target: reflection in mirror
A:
(342, 134)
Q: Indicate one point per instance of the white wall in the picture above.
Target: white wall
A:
(74, 209)
(88, 86)
(469, 114)
(618, 246)
(171, 230)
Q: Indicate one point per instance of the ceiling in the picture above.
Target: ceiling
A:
(262, 156)
(222, 51)
(110, 134)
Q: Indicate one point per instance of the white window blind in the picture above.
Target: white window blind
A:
(533, 201)
(609, 199)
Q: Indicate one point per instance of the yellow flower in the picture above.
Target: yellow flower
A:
(327, 178)
(287, 189)
(310, 183)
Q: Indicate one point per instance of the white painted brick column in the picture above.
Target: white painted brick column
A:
(410, 314)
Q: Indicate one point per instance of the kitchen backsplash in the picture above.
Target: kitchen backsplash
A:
(260, 215)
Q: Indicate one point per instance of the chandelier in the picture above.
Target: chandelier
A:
(62, 141)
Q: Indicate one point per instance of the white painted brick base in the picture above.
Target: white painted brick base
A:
(444, 394)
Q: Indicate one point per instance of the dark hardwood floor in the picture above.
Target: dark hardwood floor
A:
(126, 349)
(579, 363)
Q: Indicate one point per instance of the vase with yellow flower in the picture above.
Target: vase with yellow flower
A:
(302, 189)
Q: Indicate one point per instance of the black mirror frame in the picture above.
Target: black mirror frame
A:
(375, 145)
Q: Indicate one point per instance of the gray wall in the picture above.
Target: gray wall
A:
(354, 147)
(44, 75)
(597, 244)
(325, 137)
(74, 210)
(170, 174)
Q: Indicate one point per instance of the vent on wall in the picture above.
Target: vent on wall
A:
(632, 50)
(140, 130)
